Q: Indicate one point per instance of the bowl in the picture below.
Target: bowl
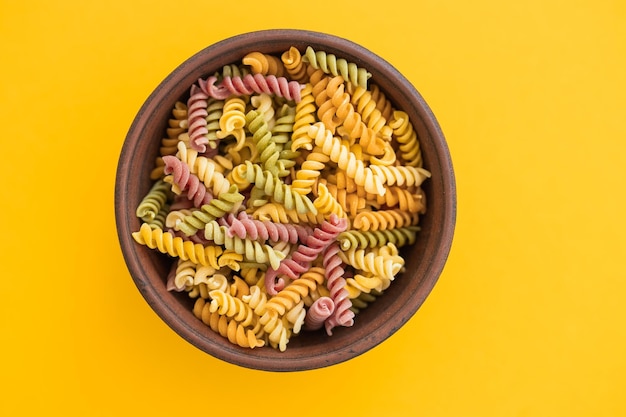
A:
(425, 259)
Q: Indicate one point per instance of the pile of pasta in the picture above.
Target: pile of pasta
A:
(284, 189)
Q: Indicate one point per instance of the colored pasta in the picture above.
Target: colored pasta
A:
(283, 189)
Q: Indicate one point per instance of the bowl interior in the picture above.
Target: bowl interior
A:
(308, 350)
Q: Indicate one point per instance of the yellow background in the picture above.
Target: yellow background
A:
(527, 318)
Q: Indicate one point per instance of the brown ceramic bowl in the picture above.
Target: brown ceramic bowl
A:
(308, 350)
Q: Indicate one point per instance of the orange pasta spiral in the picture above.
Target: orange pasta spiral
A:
(228, 328)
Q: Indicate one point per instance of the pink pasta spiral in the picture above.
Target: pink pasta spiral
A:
(196, 118)
(186, 181)
(318, 313)
(306, 253)
(336, 283)
(251, 84)
(244, 226)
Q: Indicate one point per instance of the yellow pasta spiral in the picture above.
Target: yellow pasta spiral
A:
(279, 214)
(401, 175)
(257, 300)
(327, 111)
(351, 203)
(304, 117)
(326, 203)
(404, 133)
(309, 171)
(404, 199)
(376, 95)
(277, 329)
(346, 160)
(295, 67)
(230, 329)
(365, 105)
(251, 274)
(230, 259)
(184, 274)
(239, 288)
(370, 260)
(296, 290)
(264, 105)
(233, 307)
(233, 121)
(251, 249)
(365, 283)
(177, 247)
(384, 220)
(206, 170)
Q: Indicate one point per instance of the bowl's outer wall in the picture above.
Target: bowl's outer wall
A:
(424, 260)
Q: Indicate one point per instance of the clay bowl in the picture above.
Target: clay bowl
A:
(308, 350)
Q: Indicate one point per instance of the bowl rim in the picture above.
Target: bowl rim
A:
(194, 67)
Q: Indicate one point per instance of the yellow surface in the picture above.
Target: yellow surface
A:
(528, 318)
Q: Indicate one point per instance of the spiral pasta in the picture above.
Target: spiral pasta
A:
(305, 254)
(365, 283)
(206, 169)
(184, 180)
(296, 290)
(217, 207)
(244, 226)
(177, 126)
(333, 264)
(355, 239)
(233, 331)
(227, 305)
(177, 247)
(269, 153)
(278, 190)
(305, 116)
(347, 160)
(196, 118)
(384, 220)
(252, 250)
(284, 187)
(251, 84)
(309, 171)
(157, 197)
(319, 312)
(330, 64)
(233, 120)
(326, 204)
(295, 67)
(279, 214)
(369, 260)
(265, 64)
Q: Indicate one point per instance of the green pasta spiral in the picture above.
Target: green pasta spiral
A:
(275, 188)
(154, 201)
(218, 207)
(330, 64)
(269, 152)
(252, 250)
(356, 239)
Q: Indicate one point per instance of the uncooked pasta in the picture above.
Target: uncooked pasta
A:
(284, 187)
